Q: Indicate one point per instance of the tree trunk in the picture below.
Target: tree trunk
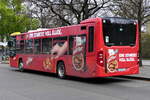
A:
(140, 49)
(1, 40)
(140, 24)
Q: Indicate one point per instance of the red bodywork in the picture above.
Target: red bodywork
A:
(123, 58)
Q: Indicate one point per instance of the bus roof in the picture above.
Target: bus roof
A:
(90, 20)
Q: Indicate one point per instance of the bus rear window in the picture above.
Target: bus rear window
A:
(91, 39)
(116, 34)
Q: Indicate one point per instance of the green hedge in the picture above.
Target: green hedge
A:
(145, 45)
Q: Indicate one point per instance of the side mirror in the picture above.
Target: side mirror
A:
(10, 44)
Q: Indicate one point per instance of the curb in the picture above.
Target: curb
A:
(146, 65)
(136, 78)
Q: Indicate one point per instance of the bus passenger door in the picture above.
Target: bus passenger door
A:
(77, 55)
(90, 51)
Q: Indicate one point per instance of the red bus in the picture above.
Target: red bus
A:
(97, 47)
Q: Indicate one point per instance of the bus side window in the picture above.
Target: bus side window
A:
(75, 41)
(60, 46)
(46, 45)
(22, 46)
(37, 46)
(71, 39)
(29, 46)
(91, 39)
(18, 46)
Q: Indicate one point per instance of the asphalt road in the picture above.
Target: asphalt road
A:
(31, 85)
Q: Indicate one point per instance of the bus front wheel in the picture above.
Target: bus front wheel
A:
(20, 67)
(61, 70)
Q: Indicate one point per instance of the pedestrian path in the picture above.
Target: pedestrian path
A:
(146, 62)
(144, 73)
(6, 61)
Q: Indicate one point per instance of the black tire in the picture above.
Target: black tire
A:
(61, 70)
(20, 66)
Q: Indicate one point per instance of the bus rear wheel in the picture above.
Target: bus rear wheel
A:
(20, 67)
(61, 70)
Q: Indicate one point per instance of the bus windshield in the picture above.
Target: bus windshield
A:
(119, 33)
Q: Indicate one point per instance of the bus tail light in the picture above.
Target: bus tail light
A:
(100, 58)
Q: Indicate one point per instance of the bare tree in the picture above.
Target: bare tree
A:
(71, 11)
(135, 9)
(43, 14)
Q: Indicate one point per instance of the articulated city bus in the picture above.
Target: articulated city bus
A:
(97, 47)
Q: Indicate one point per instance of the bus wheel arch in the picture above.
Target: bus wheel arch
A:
(20, 65)
(60, 69)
